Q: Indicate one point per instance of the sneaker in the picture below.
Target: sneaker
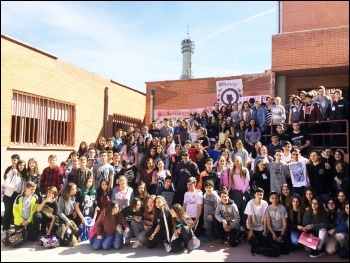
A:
(317, 253)
(127, 242)
(208, 238)
(186, 251)
(137, 244)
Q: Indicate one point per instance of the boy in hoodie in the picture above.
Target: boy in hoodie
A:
(228, 216)
(210, 201)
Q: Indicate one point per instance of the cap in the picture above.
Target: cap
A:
(187, 141)
(184, 153)
(302, 92)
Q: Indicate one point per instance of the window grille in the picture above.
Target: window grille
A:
(40, 121)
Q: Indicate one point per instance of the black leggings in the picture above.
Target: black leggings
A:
(8, 215)
(185, 236)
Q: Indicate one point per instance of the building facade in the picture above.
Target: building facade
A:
(48, 106)
(312, 47)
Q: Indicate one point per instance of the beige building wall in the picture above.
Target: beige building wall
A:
(27, 69)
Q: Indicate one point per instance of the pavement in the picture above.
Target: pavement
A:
(212, 251)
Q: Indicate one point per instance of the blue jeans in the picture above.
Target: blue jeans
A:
(104, 243)
(294, 236)
(118, 241)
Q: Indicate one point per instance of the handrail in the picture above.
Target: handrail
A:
(346, 147)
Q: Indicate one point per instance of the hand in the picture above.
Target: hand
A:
(68, 224)
(48, 233)
(99, 237)
(280, 239)
(250, 235)
(25, 223)
(83, 220)
(210, 218)
(274, 237)
(151, 237)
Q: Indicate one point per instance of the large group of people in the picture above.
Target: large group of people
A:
(238, 173)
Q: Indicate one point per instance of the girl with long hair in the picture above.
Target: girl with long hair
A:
(286, 196)
(164, 224)
(148, 222)
(295, 218)
(182, 229)
(238, 185)
(103, 196)
(66, 205)
(159, 175)
(109, 231)
(33, 174)
(141, 192)
(85, 201)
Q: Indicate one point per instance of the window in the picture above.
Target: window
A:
(39, 121)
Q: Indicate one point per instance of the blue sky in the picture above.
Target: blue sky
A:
(137, 42)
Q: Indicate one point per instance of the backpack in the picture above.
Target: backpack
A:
(261, 245)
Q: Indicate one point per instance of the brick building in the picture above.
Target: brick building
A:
(50, 106)
(200, 93)
(312, 47)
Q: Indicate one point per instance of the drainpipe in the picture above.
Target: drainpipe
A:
(105, 114)
(151, 112)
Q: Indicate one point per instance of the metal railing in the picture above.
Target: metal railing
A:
(344, 147)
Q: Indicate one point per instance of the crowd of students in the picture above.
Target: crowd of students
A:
(232, 175)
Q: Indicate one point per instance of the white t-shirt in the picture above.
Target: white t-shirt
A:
(298, 173)
(192, 200)
(257, 213)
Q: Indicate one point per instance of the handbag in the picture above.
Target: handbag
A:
(309, 240)
(93, 230)
(85, 229)
(50, 241)
(68, 236)
(17, 238)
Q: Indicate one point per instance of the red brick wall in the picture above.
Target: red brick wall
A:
(293, 84)
(311, 49)
(308, 15)
(198, 93)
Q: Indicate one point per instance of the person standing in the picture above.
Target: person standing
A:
(338, 110)
(279, 173)
(298, 172)
(299, 139)
(184, 170)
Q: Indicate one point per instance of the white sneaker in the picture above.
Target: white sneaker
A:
(137, 244)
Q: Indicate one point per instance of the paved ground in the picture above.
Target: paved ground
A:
(209, 252)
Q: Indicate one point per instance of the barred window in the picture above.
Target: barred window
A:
(40, 121)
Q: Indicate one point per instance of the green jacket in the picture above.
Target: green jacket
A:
(18, 207)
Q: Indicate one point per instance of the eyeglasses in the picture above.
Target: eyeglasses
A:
(314, 203)
(295, 154)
